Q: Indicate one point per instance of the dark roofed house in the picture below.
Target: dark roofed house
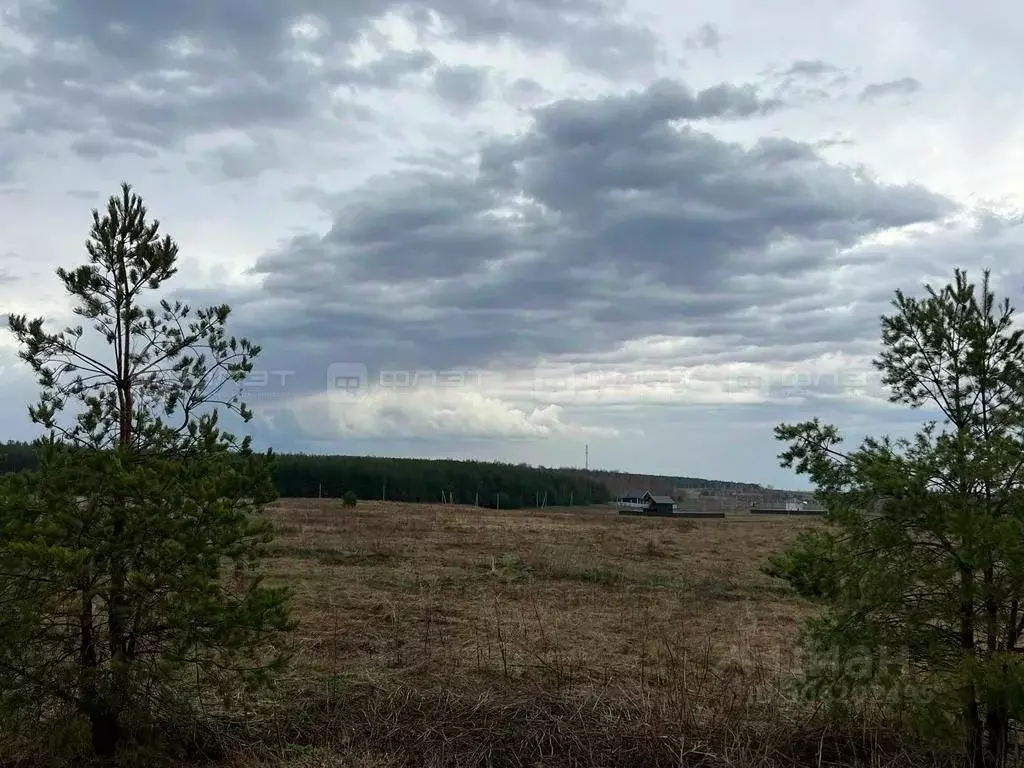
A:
(662, 505)
(644, 503)
(638, 497)
(632, 502)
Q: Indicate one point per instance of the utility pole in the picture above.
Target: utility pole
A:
(586, 455)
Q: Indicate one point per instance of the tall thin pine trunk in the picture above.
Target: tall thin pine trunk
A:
(105, 722)
(972, 712)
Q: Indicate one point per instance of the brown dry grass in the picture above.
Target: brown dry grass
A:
(438, 636)
(393, 590)
(456, 636)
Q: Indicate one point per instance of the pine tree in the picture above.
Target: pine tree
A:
(921, 565)
(115, 600)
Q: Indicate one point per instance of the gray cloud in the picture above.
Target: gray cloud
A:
(6, 164)
(811, 69)
(706, 37)
(245, 159)
(462, 86)
(609, 220)
(130, 75)
(573, 121)
(388, 71)
(524, 90)
(905, 86)
(809, 80)
(97, 146)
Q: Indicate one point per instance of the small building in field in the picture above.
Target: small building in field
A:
(645, 503)
(663, 505)
(632, 502)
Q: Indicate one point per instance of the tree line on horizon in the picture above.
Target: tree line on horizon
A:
(487, 484)
(305, 475)
(679, 481)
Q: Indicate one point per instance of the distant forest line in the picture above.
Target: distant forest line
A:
(487, 484)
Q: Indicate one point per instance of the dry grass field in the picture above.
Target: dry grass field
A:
(456, 636)
(404, 592)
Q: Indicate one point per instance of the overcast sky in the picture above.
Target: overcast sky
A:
(514, 229)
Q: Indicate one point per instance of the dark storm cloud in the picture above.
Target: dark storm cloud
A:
(610, 219)
(572, 122)
(155, 74)
(462, 86)
(458, 221)
(905, 86)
